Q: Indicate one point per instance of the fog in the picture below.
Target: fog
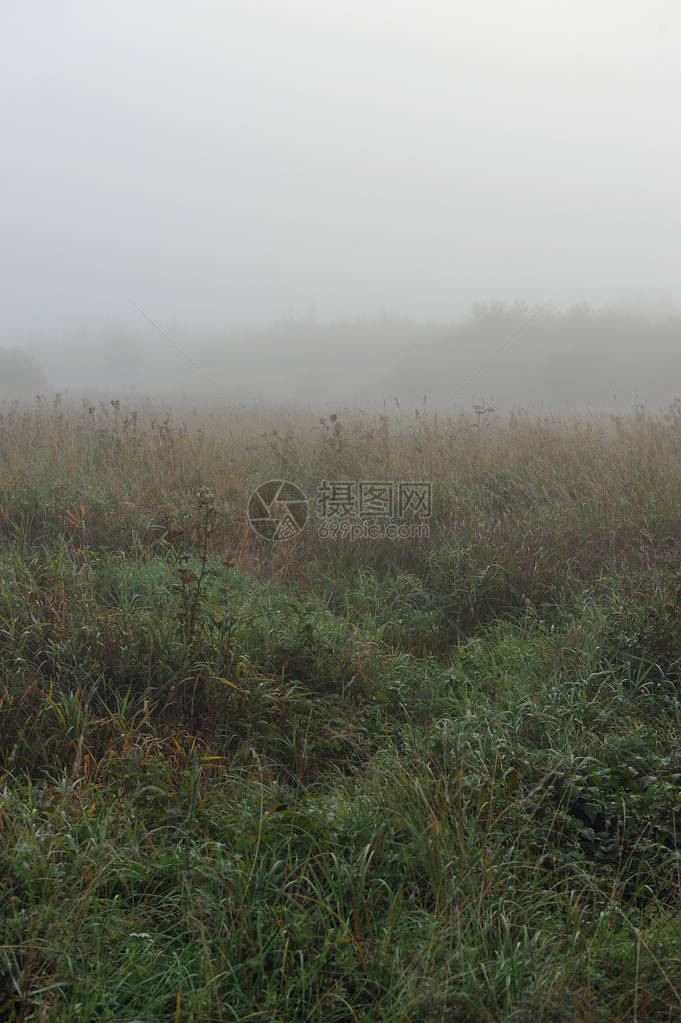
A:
(313, 200)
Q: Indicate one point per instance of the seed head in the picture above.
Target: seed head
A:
(205, 497)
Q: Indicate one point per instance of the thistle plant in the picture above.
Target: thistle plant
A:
(191, 580)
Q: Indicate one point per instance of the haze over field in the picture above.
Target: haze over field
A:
(298, 193)
(340, 510)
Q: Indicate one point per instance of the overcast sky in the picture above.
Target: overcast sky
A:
(223, 162)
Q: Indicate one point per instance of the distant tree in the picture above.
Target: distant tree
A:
(21, 375)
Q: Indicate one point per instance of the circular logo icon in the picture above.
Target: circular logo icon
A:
(277, 510)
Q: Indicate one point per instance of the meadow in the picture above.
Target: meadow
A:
(324, 779)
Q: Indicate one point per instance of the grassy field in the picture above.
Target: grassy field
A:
(434, 779)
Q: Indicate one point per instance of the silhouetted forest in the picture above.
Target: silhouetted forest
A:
(579, 357)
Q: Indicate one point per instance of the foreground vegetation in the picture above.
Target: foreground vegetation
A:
(434, 779)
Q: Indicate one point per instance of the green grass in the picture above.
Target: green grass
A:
(325, 780)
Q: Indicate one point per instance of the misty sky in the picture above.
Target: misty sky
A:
(239, 162)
